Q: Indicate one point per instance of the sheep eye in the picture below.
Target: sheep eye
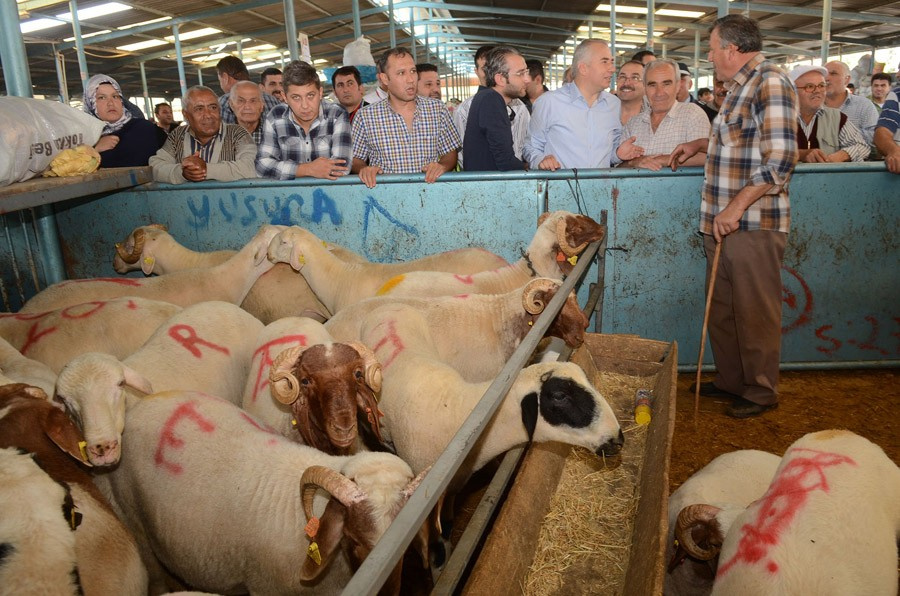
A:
(304, 381)
(359, 375)
(121, 383)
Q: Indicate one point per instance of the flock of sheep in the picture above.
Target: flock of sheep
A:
(241, 427)
(229, 425)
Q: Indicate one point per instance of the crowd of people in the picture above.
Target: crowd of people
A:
(513, 122)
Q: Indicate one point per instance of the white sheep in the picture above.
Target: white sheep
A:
(38, 545)
(705, 507)
(426, 401)
(229, 282)
(277, 294)
(475, 333)
(205, 347)
(827, 525)
(117, 327)
(561, 236)
(188, 448)
(317, 386)
(108, 558)
(20, 369)
(338, 283)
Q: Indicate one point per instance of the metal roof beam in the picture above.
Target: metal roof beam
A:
(863, 17)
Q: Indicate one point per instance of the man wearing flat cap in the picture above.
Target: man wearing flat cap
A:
(823, 134)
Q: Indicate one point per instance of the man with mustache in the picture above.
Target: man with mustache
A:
(823, 134)
(405, 133)
(631, 89)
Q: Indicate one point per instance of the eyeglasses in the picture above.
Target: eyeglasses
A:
(635, 78)
(809, 88)
(519, 73)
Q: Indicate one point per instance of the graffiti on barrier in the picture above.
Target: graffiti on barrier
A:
(253, 211)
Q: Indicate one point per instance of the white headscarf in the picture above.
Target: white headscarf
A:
(90, 102)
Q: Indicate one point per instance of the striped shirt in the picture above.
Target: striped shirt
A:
(381, 137)
(849, 137)
(753, 142)
(683, 123)
(286, 145)
(861, 112)
(890, 114)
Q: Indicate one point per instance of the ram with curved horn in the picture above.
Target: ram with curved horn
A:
(476, 333)
(561, 236)
(251, 534)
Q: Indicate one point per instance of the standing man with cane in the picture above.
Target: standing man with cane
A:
(752, 151)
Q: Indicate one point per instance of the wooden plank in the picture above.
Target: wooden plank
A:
(43, 191)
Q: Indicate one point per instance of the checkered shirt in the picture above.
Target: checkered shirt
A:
(228, 117)
(286, 145)
(380, 136)
(683, 123)
(753, 142)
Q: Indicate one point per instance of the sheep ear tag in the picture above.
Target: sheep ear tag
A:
(312, 528)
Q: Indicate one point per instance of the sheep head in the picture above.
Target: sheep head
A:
(326, 385)
(287, 247)
(136, 250)
(569, 324)
(364, 502)
(91, 388)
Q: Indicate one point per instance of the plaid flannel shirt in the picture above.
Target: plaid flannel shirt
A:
(381, 137)
(285, 144)
(753, 141)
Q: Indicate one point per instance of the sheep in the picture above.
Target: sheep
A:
(561, 236)
(256, 488)
(20, 369)
(710, 500)
(117, 327)
(475, 333)
(229, 281)
(153, 250)
(108, 557)
(828, 524)
(426, 401)
(316, 385)
(37, 544)
(206, 347)
(339, 284)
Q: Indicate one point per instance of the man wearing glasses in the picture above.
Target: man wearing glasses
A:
(823, 134)
(488, 142)
(630, 90)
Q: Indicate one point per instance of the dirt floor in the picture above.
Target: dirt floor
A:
(866, 402)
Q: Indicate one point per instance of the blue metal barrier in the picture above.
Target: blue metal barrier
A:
(841, 268)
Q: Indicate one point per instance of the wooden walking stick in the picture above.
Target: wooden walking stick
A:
(709, 295)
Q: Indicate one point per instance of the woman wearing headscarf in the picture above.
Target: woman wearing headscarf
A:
(126, 141)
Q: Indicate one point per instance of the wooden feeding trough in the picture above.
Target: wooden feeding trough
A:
(575, 524)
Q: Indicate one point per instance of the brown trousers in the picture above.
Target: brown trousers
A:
(745, 316)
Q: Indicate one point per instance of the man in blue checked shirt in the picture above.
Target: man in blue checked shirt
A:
(887, 132)
(305, 137)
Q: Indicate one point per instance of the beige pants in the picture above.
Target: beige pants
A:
(745, 316)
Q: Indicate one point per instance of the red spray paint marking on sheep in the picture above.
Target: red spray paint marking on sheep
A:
(187, 337)
(71, 313)
(394, 340)
(124, 281)
(466, 279)
(787, 495)
(266, 360)
(168, 440)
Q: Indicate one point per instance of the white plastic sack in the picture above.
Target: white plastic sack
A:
(359, 53)
(34, 131)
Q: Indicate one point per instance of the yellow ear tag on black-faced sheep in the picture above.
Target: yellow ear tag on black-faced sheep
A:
(312, 528)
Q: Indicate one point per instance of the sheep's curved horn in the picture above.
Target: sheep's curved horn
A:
(373, 367)
(531, 302)
(135, 254)
(282, 382)
(158, 227)
(704, 515)
(566, 248)
(410, 488)
(543, 217)
(339, 486)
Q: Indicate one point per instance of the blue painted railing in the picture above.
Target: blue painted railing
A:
(841, 278)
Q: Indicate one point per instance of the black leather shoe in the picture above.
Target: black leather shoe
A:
(710, 390)
(742, 408)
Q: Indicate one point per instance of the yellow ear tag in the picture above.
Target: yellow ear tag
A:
(313, 553)
(149, 260)
(572, 260)
(82, 445)
(302, 260)
(530, 323)
(293, 422)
